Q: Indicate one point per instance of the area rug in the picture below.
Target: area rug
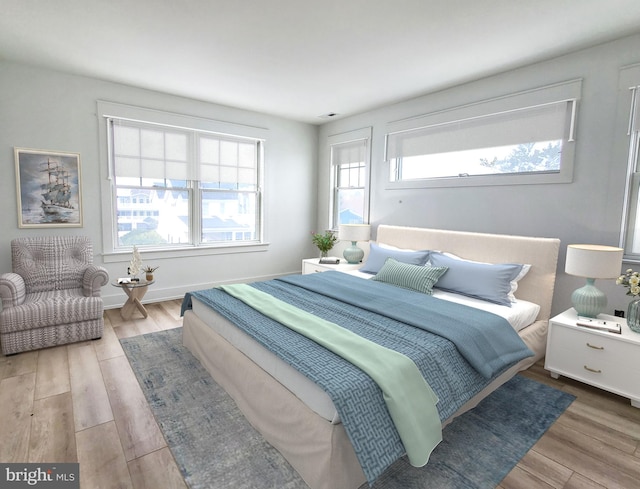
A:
(214, 445)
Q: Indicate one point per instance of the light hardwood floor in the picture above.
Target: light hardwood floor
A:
(82, 403)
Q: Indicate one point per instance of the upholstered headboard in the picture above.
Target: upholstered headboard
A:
(541, 253)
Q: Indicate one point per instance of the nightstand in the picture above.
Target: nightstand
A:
(313, 265)
(609, 361)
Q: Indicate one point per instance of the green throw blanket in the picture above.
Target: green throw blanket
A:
(408, 397)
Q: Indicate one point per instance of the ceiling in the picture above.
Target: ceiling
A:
(303, 59)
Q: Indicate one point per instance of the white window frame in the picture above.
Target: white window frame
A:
(629, 146)
(363, 134)
(569, 92)
(107, 110)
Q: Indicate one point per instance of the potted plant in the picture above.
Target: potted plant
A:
(149, 272)
(631, 281)
(324, 241)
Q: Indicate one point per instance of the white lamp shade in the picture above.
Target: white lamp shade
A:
(593, 261)
(354, 232)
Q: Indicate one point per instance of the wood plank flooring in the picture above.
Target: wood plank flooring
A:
(82, 403)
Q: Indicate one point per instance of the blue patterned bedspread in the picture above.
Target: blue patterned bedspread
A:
(358, 400)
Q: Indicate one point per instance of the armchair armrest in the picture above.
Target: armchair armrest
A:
(94, 278)
(12, 290)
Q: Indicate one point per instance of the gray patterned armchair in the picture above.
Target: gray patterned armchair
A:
(52, 297)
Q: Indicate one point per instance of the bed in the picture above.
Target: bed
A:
(297, 416)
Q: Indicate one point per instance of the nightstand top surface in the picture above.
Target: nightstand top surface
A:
(570, 316)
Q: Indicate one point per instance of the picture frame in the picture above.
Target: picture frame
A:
(49, 188)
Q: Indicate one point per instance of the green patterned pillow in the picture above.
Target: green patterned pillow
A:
(414, 277)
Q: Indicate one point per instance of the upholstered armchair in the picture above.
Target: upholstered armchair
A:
(52, 297)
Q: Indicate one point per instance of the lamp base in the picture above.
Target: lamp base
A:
(589, 301)
(353, 254)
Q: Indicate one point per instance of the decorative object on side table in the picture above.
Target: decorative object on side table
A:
(631, 280)
(135, 264)
(149, 272)
(324, 241)
(354, 233)
(592, 262)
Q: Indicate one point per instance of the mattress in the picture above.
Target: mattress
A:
(520, 315)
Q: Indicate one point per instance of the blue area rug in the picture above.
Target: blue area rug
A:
(215, 446)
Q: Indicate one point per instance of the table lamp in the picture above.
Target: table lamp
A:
(354, 233)
(592, 262)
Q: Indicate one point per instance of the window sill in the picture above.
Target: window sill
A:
(562, 176)
(187, 251)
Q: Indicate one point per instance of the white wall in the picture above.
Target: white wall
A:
(43, 109)
(587, 210)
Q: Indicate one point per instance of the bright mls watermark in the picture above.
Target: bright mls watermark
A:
(49, 475)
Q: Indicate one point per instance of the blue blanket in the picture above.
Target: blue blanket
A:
(408, 397)
(485, 340)
(356, 397)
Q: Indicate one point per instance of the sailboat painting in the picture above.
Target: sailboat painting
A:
(48, 185)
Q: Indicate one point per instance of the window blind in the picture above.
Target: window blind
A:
(634, 117)
(224, 161)
(349, 152)
(160, 152)
(548, 122)
(148, 151)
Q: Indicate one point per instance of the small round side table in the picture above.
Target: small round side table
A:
(135, 292)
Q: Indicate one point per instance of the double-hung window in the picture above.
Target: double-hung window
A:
(175, 186)
(630, 108)
(526, 137)
(350, 172)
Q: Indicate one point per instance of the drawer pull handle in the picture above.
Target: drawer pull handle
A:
(593, 370)
(595, 347)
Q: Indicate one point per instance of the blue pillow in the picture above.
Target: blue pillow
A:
(413, 277)
(484, 281)
(378, 255)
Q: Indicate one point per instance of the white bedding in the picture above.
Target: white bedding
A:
(520, 315)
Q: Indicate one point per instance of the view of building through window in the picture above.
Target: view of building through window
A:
(350, 193)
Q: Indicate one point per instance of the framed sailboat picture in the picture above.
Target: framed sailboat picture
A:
(49, 188)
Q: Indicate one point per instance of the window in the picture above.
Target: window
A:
(517, 136)
(177, 186)
(630, 90)
(350, 170)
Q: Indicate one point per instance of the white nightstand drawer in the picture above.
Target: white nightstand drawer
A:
(310, 267)
(584, 344)
(598, 372)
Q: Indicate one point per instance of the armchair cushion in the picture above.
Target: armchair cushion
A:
(51, 308)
